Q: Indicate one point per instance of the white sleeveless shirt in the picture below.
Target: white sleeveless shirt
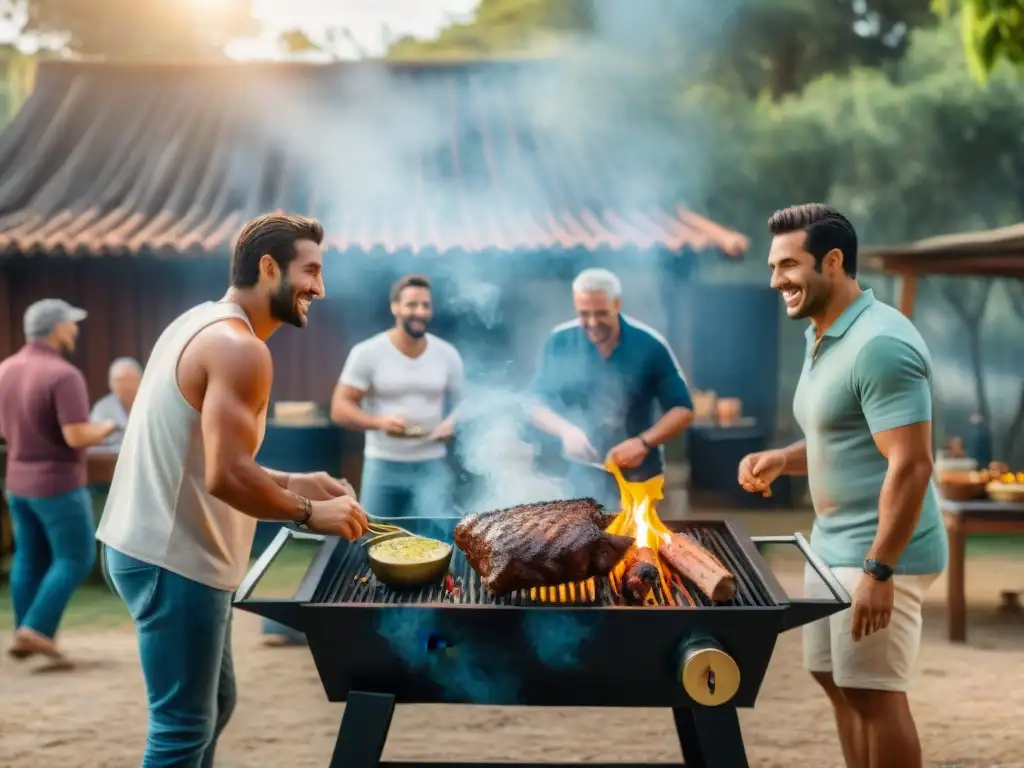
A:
(158, 509)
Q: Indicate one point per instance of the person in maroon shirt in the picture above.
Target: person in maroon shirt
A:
(44, 416)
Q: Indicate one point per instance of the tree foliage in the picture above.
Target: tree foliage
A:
(868, 105)
(748, 45)
(138, 29)
(991, 30)
(503, 27)
(909, 153)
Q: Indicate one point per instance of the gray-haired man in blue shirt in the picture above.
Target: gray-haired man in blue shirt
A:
(864, 406)
(123, 377)
(600, 377)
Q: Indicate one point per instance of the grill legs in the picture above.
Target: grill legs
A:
(710, 737)
(364, 729)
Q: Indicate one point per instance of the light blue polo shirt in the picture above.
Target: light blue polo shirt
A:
(871, 372)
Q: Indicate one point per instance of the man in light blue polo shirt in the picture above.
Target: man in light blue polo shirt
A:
(864, 406)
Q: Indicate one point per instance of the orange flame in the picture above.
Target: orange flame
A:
(639, 519)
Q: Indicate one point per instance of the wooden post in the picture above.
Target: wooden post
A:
(956, 578)
(906, 293)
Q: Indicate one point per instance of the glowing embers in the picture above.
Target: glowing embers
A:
(584, 592)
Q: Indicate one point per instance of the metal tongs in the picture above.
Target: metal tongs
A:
(584, 463)
(383, 531)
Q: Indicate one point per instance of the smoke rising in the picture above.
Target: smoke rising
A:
(502, 149)
(498, 149)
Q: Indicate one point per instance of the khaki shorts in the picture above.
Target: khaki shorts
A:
(882, 661)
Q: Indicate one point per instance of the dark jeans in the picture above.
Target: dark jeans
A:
(54, 550)
(184, 633)
(406, 488)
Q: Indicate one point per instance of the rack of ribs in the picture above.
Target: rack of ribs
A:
(536, 545)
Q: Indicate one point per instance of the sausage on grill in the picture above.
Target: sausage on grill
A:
(691, 561)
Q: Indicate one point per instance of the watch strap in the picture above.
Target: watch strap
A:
(306, 507)
(877, 570)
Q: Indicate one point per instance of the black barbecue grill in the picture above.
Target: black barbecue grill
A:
(452, 642)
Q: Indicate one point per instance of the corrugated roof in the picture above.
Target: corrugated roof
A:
(172, 159)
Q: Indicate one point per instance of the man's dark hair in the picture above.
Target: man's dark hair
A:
(826, 229)
(273, 233)
(409, 281)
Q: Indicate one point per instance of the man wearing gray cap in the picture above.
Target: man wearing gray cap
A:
(44, 416)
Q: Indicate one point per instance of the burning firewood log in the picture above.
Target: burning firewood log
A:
(691, 561)
(640, 575)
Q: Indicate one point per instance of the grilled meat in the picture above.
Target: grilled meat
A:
(536, 545)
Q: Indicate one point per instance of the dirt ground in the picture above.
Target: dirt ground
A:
(968, 701)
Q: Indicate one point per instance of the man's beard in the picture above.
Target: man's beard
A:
(815, 301)
(416, 328)
(283, 305)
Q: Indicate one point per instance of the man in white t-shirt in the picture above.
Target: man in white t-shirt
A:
(396, 386)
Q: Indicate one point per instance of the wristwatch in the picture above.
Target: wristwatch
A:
(877, 571)
(307, 512)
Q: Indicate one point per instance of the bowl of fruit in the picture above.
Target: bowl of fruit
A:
(1006, 487)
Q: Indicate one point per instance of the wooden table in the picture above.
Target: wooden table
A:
(963, 518)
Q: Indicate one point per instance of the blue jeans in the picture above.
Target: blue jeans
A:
(406, 488)
(265, 533)
(54, 550)
(184, 632)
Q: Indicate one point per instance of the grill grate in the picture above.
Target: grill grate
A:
(348, 579)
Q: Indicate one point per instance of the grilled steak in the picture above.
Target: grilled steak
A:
(536, 545)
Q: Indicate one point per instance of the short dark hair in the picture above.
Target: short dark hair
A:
(274, 234)
(826, 229)
(409, 281)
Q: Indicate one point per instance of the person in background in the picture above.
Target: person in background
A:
(865, 408)
(600, 377)
(186, 494)
(395, 387)
(123, 378)
(44, 416)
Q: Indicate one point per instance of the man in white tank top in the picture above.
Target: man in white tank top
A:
(395, 386)
(186, 494)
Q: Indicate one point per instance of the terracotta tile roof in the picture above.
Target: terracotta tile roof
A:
(171, 159)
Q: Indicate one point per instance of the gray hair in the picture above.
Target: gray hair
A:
(129, 363)
(597, 280)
